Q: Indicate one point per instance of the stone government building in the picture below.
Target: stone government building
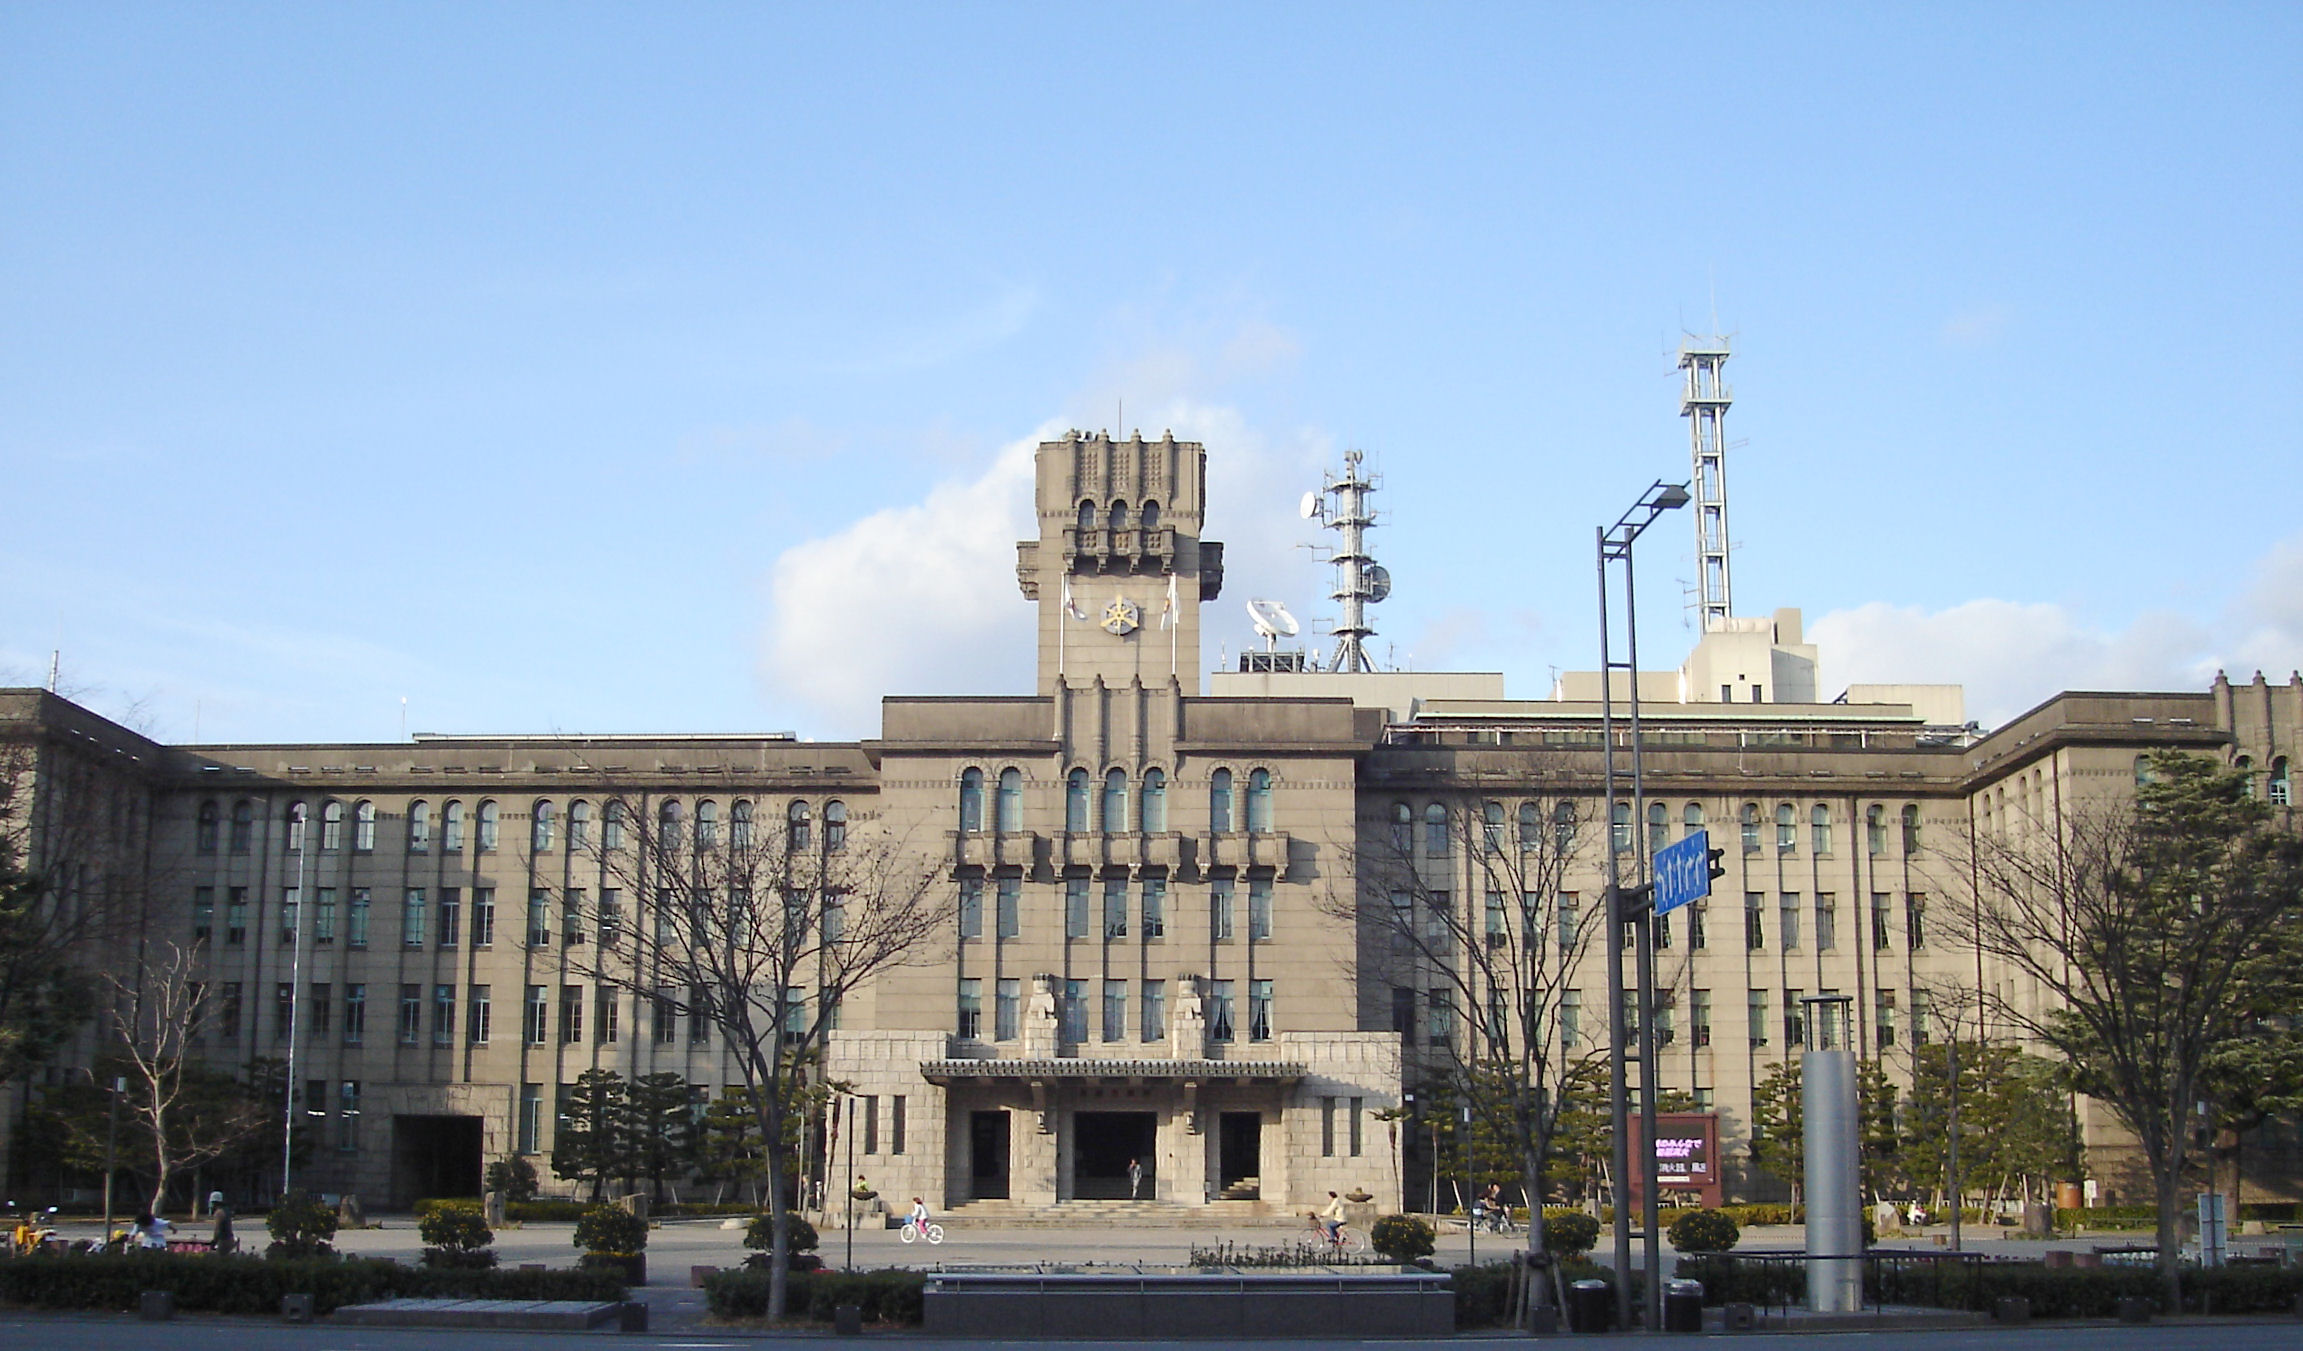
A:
(1149, 961)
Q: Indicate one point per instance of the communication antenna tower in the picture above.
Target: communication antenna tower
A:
(1341, 505)
(1704, 405)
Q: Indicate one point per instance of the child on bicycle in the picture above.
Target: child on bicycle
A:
(918, 1219)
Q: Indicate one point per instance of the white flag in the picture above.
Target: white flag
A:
(1069, 607)
(1168, 615)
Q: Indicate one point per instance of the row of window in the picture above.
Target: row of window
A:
(318, 1017)
(1438, 827)
(1113, 815)
(2278, 786)
(1439, 921)
(544, 827)
(1149, 908)
(1431, 1016)
(1117, 517)
(1148, 998)
(455, 915)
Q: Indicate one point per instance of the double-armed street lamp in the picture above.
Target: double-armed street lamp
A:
(1630, 907)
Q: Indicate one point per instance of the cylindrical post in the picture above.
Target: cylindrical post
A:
(851, 1187)
(1834, 1181)
(111, 1144)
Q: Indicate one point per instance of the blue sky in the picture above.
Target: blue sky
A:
(668, 368)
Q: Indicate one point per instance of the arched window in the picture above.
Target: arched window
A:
(488, 836)
(1155, 802)
(332, 826)
(1786, 829)
(2281, 795)
(1402, 828)
(796, 828)
(579, 825)
(1076, 802)
(739, 824)
(1530, 826)
(452, 827)
(835, 826)
(210, 818)
(1259, 802)
(1219, 802)
(1691, 820)
(1115, 807)
(295, 826)
(1911, 829)
(1563, 825)
(971, 799)
(1491, 827)
(1819, 826)
(1151, 515)
(1435, 829)
(1119, 516)
(1087, 515)
(419, 827)
(1750, 824)
(612, 826)
(364, 827)
(1658, 826)
(1619, 828)
(707, 824)
(243, 825)
(1011, 810)
(540, 827)
(668, 825)
(1875, 829)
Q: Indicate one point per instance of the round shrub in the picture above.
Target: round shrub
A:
(1704, 1231)
(1569, 1233)
(611, 1229)
(515, 1177)
(456, 1234)
(762, 1234)
(300, 1227)
(1402, 1238)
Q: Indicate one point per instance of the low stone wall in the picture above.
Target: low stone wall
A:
(1415, 1304)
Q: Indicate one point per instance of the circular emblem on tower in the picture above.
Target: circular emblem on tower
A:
(1122, 617)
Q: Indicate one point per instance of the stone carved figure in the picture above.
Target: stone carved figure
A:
(1187, 1026)
(1040, 1028)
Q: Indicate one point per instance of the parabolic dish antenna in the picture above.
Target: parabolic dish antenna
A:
(1378, 580)
(1310, 506)
(1271, 619)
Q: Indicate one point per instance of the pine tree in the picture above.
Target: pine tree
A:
(589, 1141)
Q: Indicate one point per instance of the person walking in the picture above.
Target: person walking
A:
(1135, 1178)
(153, 1231)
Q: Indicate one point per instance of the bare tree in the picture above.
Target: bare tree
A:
(1497, 961)
(763, 929)
(189, 1113)
(2141, 922)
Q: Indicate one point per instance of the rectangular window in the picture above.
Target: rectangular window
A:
(1699, 1016)
(971, 1008)
(1115, 1010)
(235, 916)
(1696, 940)
(1115, 907)
(1154, 1021)
(318, 1000)
(1660, 926)
(1259, 909)
(611, 916)
(355, 1014)
(1327, 1127)
(1219, 894)
(895, 1122)
(451, 917)
(1007, 1013)
(1155, 907)
(1885, 1018)
(477, 1015)
(539, 917)
(411, 1014)
(203, 914)
(228, 1011)
(571, 1015)
(1922, 1018)
(1072, 1012)
(572, 917)
(868, 1107)
(1755, 1015)
(611, 1006)
(1666, 1015)
(1219, 1026)
(1882, 911)
(324, 916)
(348, 1116)
(1259, 1010)
(665, 911)
(1438, 913)
(356, 919)
(1442, 1017)
(1826, 921)
(443, 1015)
(664, 1018)
(1794, 1019)
(700, 1013)
(1915, 921)
(1075, 907)
(1011, 905)
(1570, 910)
(971, 906)
(1355, 1126)
(283, 1010)
(1754, 920)
(1496, 928)
(1403, 1012)
(483, 917)
(1790, 911)
(531, 1117)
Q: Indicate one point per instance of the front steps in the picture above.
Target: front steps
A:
(1116, 1215)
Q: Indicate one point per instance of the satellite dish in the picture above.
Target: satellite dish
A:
(1377, 579)
(1271, 619)
(1310, 506)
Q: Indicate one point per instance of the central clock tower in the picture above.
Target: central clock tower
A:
(1119, 568)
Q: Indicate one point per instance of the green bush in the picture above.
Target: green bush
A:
(611, 1229)
(300, 1227)
(888, 1296)
(548, 1210)
(1402, 1238)
(1704, 1231)
(1567, 1233)
(1731, 1280)
(254, 1285)
(456, 1234)
(1482, 1293)
(708, 1208)
(762, 1233)
(427, 1204)
(2126, 1218)
(515, 1177)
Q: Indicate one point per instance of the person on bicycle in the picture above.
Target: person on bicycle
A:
(918, 1219)
(1332, 1218)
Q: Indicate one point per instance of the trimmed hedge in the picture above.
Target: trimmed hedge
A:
(887, 1296)
(545, 1210)
(1482, 1293)
(252, 1285)
(2054, 1292)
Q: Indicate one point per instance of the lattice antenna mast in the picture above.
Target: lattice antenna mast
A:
(1704, 405)
(1342, 507)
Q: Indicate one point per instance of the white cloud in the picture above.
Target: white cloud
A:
(2011, 655)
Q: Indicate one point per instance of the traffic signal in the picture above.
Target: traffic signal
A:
(1716, 861)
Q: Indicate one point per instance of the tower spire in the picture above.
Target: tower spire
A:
(1704, 405)
(1359, 581)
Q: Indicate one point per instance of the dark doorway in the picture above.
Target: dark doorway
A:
(1240, 1155)
(987, 1156)
(434, 1156)
(1103, 1144)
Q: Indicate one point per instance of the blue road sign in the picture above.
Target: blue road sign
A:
(1683, 872)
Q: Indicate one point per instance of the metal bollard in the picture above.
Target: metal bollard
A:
(848, 1320)
(633, 1317)
(156, 1306)
(296, 1308)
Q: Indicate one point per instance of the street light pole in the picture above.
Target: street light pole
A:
(111, 1144)
(1631, 907)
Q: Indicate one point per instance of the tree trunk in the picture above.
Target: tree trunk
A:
(2167, 1181)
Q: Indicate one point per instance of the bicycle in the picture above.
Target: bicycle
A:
(1492, 1220)
(1344, 1243)
(913, 1231)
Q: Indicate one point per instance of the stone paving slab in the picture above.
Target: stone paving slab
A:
(533, 1315)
